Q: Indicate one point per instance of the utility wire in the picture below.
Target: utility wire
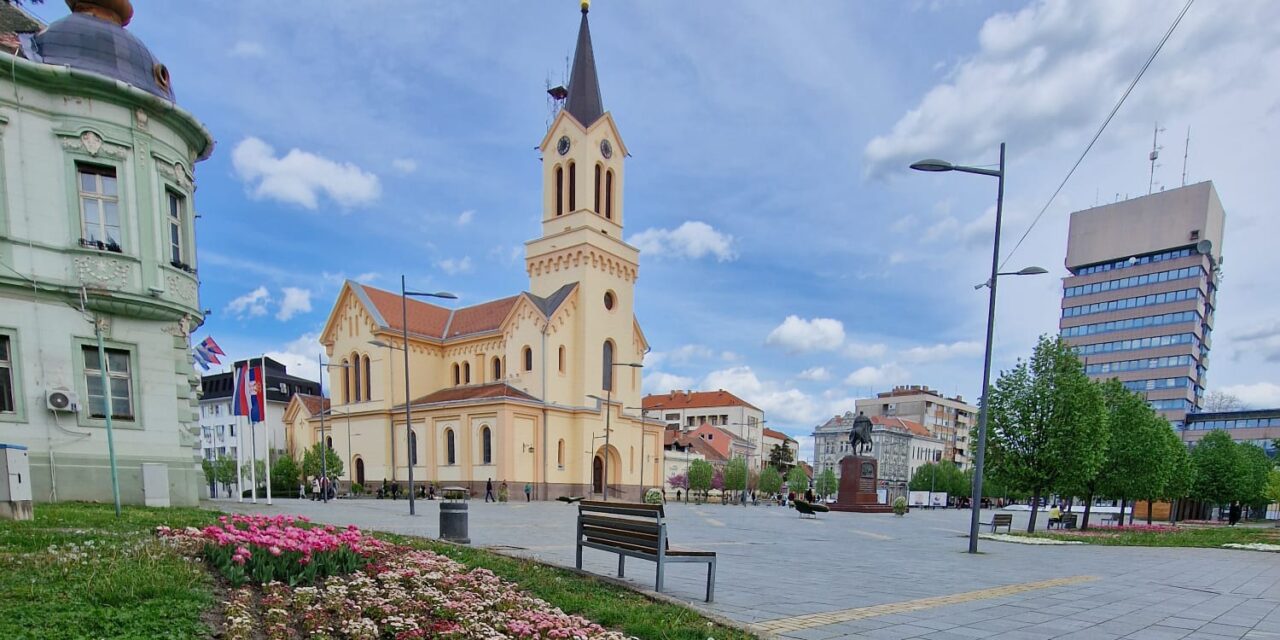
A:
(1098, 134)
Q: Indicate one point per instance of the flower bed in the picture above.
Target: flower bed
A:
(322, 582)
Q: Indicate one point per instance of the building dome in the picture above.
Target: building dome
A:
(90, 43)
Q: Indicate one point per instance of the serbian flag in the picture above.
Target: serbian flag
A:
(207, 353)
(250, 396)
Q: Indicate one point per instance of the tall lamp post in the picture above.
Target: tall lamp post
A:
(643, 417)
(410, 450)
(933, 165)
(608, 412)
(346, 367)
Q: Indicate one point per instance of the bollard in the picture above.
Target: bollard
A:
(453, 517)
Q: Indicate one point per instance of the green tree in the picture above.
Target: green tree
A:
(311, 462)
(1219, 468)
(700, 474)
(781, 458)
(284, 475)
(224, 472)
(1257, 471)
(206, 465)
(941, 477)
(797, 480)
(1150, 479)
(1273, 486)
(1135, 462)
(827, 483)
(1047, 423)
(735, 474)
(1181, 475)
(257, 475)
(770, 481)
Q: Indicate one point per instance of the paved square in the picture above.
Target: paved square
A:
(848, 575)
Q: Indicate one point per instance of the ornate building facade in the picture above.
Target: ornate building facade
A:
(97, 238)
(525, 389)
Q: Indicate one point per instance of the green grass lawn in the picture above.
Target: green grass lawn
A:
(607, 604)
(1185, 536)
(77, 571)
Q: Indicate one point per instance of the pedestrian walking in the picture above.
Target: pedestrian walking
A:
(677, 495)
(528, 492)
(1234, 515)
(315, 488)
(488, 491)
(324, 489)
(302, 489)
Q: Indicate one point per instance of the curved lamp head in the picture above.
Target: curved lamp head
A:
(932, 164)
(1032, 271)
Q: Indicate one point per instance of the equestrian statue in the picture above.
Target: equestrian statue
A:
(860, 436)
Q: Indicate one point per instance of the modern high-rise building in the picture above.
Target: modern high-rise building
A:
(1139, 302)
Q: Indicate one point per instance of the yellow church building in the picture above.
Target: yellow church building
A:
(513, 389)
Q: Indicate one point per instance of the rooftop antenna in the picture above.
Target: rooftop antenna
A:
(1155, 153)
(1186, 150)
(557, 94)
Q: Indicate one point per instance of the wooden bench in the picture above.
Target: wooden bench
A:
(1069, 521)
(1000, 520)
(636, 530)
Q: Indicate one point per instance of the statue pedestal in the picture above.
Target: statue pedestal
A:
(858, 480)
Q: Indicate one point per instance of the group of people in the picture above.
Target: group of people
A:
(502, 491)
(322, 488)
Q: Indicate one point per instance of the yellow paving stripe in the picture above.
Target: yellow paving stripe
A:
(785, 625)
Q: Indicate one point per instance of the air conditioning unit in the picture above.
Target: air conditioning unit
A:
(61, 400)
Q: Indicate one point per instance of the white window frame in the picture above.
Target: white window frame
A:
(176, 215)
(101, 199)
(112, 376)
(8, 373)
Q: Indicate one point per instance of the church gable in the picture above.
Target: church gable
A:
(350, 315)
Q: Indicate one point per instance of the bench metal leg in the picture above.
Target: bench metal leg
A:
(658, 583)
(579, 565)
(621, 564)
(711, 580)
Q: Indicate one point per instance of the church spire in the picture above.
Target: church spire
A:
(584, 101)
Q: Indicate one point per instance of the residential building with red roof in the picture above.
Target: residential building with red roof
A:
(900, 446)
(688, 410)
(530, 387)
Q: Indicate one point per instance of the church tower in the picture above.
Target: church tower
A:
(583, 160)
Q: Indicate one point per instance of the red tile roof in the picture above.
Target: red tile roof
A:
(899, 424)
(770, 433)
(709, 452)
(482, 317)
(424, 319)
(695, 400)
(313, 404)
(492, 390)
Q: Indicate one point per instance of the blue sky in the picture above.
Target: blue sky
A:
(789, 254)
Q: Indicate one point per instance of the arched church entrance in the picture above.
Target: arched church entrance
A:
(597, 475)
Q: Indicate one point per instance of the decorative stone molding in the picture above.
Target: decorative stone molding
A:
(103, 273)
(181, 287)
(175, 172)
(91, 143)
(142, 120)
(578, 257)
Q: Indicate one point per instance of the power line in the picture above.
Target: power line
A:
(1102, 128)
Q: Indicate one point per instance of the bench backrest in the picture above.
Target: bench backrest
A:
(1002, 519)
(630, 525)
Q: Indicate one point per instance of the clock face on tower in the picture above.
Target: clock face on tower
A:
(606, 149)
(563, 145)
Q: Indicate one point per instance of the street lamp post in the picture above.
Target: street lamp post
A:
(608, 413)
(643, 417)
(410, 449)
(350, 471)
(324, 455)
(942, 165)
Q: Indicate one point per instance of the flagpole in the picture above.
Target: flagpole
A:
(235, 404)
(266, 425)
(253, 433)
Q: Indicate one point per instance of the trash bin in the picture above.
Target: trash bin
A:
(453, 515)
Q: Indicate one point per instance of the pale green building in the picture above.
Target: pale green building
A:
(97, 228)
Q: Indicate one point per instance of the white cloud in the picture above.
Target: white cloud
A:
(798, 334)
(863, 351)
(816, 374)
(301, 357)
(693, 239)
(1045, 74)
(300, 177)
(662, 382)
(1256, 395)
(465, 217)
(248, 49)
(780, 404)
(940, 352)
(250, 305)
(881, 376)
(404, 165)
(295, 301)
(454, 266)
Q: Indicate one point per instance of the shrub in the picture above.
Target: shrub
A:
(653, 496)
(900, 505)
(357, 488)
